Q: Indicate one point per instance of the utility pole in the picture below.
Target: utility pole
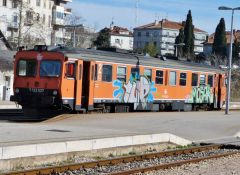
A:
(137, 3)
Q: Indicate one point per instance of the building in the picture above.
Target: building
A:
(121, 38)
(84, 36)
(6, 71)
(33, 21)
(207, 50)
(163, 34)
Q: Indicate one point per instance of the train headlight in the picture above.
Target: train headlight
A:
(55, 92)
(16, 90)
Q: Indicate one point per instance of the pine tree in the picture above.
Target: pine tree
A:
(236, 51)
(180, 39)
(188, 49)
(103, 39)
(220, 41)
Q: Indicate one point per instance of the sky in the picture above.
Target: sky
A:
(100, 13)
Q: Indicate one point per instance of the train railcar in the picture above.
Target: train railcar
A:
(57, 78)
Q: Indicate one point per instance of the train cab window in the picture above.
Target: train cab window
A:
(107, 73)
(183, 79)
(50, 68)
(148, 74)
(27, 68)
(96, 72)
(70, 70)
(210, 80)
(172, 78)
(122, 73)
(159, 77)
(202, 79)
(194, 79)
(135, 71)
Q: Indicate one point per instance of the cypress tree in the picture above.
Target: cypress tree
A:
(188, 49)
(103, 39)
(220, 41)
(236, 50)
(180, 39)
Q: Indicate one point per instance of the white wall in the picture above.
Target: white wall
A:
(4, 83)
(122, 41)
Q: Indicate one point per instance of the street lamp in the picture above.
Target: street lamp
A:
(74, 32)
(180, 44)
(229, 58)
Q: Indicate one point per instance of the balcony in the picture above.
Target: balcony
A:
(68, 11)
(13, 26)
(66, 0)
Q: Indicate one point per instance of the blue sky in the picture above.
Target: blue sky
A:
(99, 13)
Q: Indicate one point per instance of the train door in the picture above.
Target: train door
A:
(78, 85)
(220, 80)
(87, 84)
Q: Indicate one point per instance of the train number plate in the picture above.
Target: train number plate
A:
(35, 90)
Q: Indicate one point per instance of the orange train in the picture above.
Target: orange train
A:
(57, 77)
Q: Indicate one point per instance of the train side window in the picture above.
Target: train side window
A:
(202, 79)
(134, 71)
(172, 78)
(92, 72)
(107, 73)
(122, 73)
(148, 74)
(194, 79)
(70, 72)
(159, 77)
(96, 72)
(210, 80)
(183, 79)
(80, 72)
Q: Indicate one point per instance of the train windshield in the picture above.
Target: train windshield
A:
(50, 68)
(27, 68)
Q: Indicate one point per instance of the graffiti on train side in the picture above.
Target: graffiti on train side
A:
(137, 90)
(201, 94)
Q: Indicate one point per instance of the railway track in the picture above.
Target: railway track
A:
(200, 153)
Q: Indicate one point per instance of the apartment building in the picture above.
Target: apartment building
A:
(163, 34)
(33, 21)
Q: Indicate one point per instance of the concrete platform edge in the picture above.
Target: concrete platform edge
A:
(31, 150)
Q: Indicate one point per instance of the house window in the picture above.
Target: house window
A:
(155, 43)
(44, 18)
(38, 2)
(159, 77)
(155, 34)
(202, 79)
(210, 80)
(122, 73)
(15, 19)
(59, 15)
(135, 71)
(183, 79)
(172, 78)
(107, 73)
(14, 4)
(139, 34)
(194, 79)
(147, 34)
(5, 3)
(117, 41)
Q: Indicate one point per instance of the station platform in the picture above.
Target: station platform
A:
(9, 105)
(89, 132)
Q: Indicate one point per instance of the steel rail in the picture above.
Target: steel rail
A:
(72, 167)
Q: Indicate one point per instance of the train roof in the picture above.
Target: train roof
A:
(113, 57)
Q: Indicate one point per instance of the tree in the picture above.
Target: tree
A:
(179, 39)
(103, 39)
(188, 49)
(151, 49)
(220, 41)
(236, 51)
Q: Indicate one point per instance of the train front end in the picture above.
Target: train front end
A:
(37, 82)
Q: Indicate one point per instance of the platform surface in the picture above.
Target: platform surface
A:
(194, 126)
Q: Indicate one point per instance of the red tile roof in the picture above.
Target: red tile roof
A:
(167, 24)
(116, 30)
(236, 35)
